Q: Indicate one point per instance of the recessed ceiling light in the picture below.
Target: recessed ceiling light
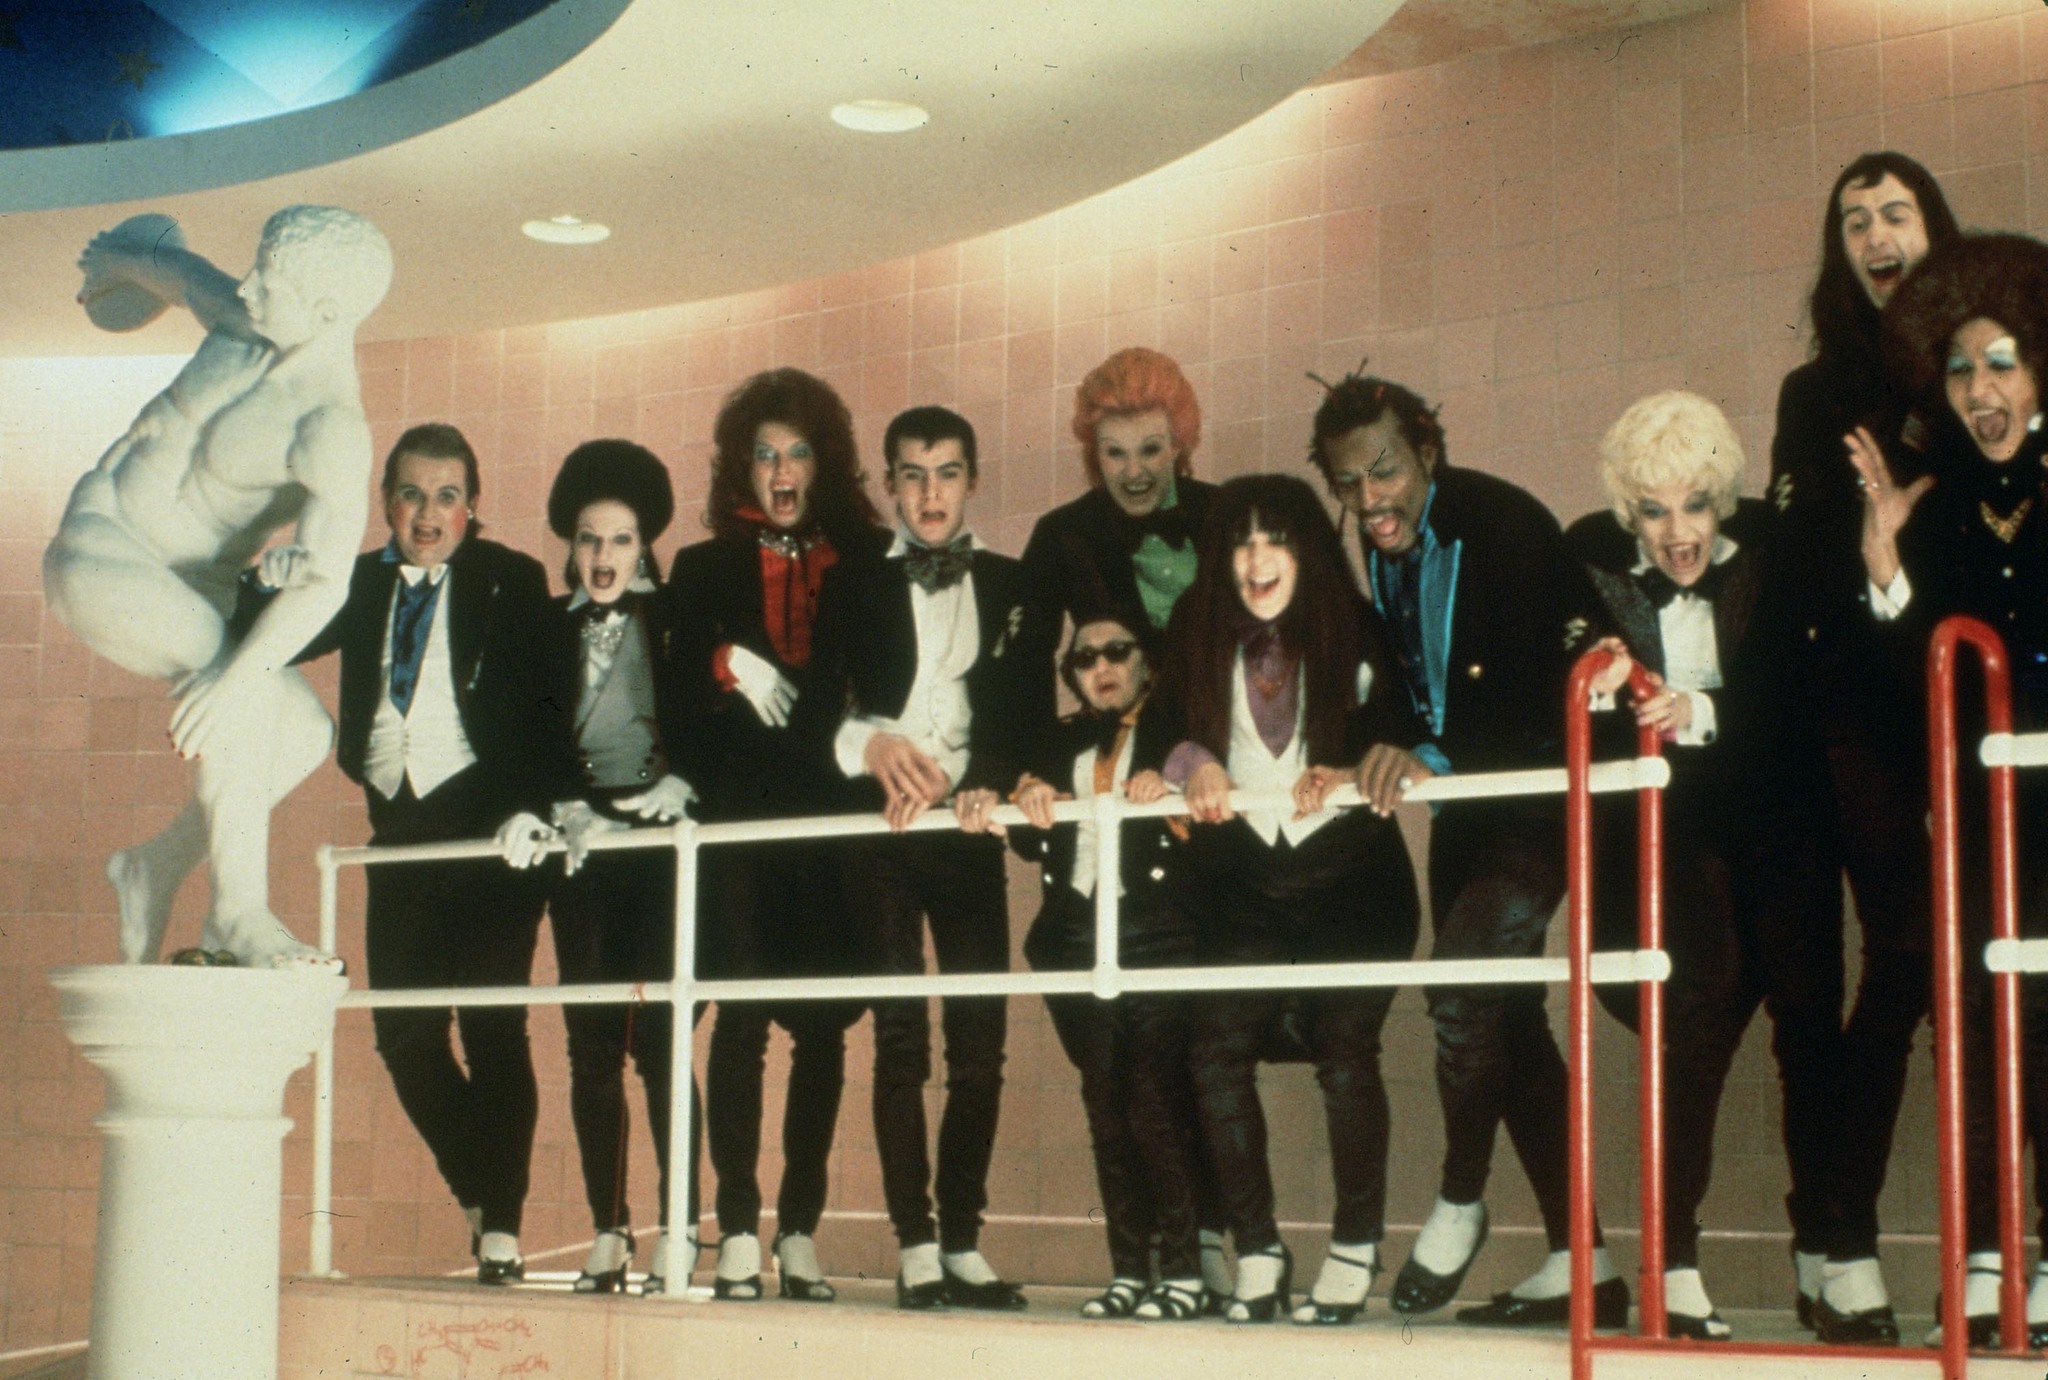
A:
(881, 117)
(566, 230)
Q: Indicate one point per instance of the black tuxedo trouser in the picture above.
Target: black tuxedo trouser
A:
(956, 883)
(1979, 1085)
(457, 924)
(1132, 1055)
(1752, 916)
(775, 911)
(1496, 875)
(1348, 892)
(1880, 796)
(614, 921)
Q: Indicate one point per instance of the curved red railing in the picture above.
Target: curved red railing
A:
(1951, 635)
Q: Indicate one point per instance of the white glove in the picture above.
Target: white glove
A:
(665, 800)
(283, 566)
(524, 839)
(578, 825)
(767, 689)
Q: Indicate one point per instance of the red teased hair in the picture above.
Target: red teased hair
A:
(1132, 381)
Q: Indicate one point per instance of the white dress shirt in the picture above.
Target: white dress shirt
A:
(935, 715)
(1692, 655)
(425, 745)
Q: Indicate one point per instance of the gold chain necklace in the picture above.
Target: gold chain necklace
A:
(2008, 527)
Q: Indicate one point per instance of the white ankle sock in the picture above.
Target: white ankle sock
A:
(1215, 1269)
(611, 1250)
(1854, 1286)
(920, 1264)
(1258, 1275)
(971, 1267)
(1342, 1280)
(796, 1255)
(739, 1256)
(1554, 1278)
(498, 1245)
(1806, 1270)
(2037, 1295)
(1686, 1293)
(1981, 1278)
(1448, 1237)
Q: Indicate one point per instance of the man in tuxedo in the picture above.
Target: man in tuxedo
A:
(914, 689)
(455, 720)
(1471, 575)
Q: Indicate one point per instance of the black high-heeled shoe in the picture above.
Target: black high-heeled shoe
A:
(801, 1288)
(612, 1281)
(1316, 1313)
(1265, 1307)
(1419, 1289)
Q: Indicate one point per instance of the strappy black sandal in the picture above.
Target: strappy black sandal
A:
(1172, 1301)
(1119, 1300)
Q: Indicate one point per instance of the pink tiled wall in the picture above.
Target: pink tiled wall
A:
(1532, 237)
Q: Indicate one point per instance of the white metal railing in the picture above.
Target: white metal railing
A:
(1107, 980)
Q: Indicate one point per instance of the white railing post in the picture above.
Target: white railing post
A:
(682, 1078)
(320, 1251)
(1109, 871)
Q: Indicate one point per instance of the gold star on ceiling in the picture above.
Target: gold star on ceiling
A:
(136, 67)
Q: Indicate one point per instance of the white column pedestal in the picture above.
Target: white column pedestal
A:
(185, 1267)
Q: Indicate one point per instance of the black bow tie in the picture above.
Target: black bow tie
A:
(1170, 525)
(1660, 589)
(593, 612)
(939, 567)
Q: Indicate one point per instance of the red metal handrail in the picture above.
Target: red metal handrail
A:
(1578, 748)
(1948, 979)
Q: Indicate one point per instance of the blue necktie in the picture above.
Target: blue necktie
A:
(411, 621)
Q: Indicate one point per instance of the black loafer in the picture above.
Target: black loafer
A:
(1870, 1327)
(1610, 1309)
(1419, 1289)
(921, 1298)
(996, 1296)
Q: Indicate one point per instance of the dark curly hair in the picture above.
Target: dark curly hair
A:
(1360, 399)
(1845, 323)
(2002, 278)
(1321, 624)
(839, 502)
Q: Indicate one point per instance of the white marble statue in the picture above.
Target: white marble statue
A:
(262, 429)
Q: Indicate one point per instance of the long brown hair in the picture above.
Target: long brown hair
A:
(807, 405)
(1320, 626)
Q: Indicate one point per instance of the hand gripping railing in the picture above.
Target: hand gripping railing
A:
(1107, 979)
(2001, 752)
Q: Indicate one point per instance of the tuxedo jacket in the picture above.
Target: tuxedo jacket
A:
(1767, 750)
(1504, 691)
(515, 684)
(741, 767)
(864, 659)
(1079, 557)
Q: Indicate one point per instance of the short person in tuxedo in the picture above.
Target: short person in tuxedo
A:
(1679, 579)
(1132, 1054)
(913, 689)
(452, 720)
(613, 913)
(785, 507)
(1471, 576)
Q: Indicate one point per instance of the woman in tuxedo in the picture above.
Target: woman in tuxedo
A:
(1282, 677)
(1679, 579)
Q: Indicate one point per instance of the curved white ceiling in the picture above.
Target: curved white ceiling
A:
(699, 131)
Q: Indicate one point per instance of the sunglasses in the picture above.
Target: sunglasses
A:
(1115, 653)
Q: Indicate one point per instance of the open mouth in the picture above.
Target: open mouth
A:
(1990, 425)
(785, 503)
(1885, 274)
(1383, 528)
(603, 577)
(1258, 591)
(1684, 558)
(426, 538)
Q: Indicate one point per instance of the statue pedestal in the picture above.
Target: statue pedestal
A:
(185, 1267)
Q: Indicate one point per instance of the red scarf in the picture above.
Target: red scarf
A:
(792, 570)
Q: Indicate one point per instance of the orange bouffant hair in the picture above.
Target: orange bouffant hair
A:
(1131, 381)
